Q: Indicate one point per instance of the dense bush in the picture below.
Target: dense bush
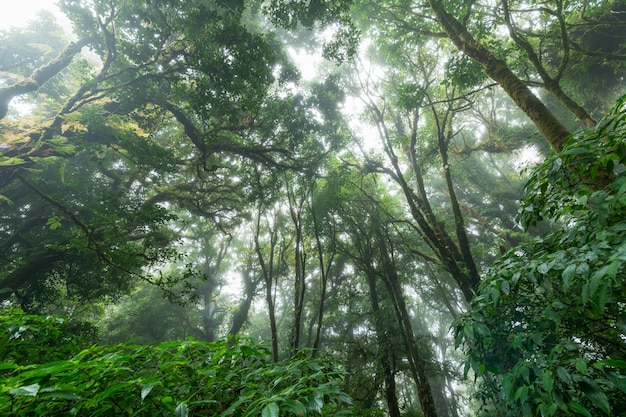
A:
(229, 377)
(546, 330)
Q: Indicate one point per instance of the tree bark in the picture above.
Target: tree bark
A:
(461, 234)
(324, 270)
(295, 209)
(241, 315)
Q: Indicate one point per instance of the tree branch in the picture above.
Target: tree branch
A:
(40, 76)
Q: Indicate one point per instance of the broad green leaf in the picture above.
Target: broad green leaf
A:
(578, 408)
(26, 390)
(575, 151)
(182, 410)
(247, 350)
(7, 365)
(521, 394)
(547, 382)
(616, 363)
(63, 394)
(270, 410)
(294, 407)
(316, 403)
(508, 384)
(564, 375)
(568, 276)
(146, 388)
(619, 381)
(581, 366)
(597, 396)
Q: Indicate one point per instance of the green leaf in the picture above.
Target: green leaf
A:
(568, 276)
(294, 407)
(7, 365)
(575, 151)
(596, 396)
(615, 363)
(619, 381)
(5, 199)
(521, 394)
(63, 394)
(578, 408)
(508, 384)
(545, 267)
(26, 390)
(548, 382)
(316, 403)
(270, 410)
(146, 388)
(564, 375)
(12, 161)
(247, 350)
(182, 410)
(581, 366)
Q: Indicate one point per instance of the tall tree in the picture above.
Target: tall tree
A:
(187, 101)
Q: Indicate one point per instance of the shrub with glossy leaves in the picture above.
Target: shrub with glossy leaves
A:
(546, 331)
(188, 378)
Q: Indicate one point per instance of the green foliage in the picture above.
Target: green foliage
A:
(27, 339)
(229, 377)
(546, 330)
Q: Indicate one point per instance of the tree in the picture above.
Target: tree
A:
(470, 27)
(189, 100)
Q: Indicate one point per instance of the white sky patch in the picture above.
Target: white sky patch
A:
(307, 63)
(17, 13)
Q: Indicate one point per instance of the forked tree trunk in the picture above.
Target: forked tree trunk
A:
(547, 124)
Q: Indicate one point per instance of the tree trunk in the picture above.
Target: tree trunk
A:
(324, 270)
(461, 234)
(551, 84)
(299, 288)
(547, 124)
(267, 269)
(384, 345)
(250, 288)
(416, 360)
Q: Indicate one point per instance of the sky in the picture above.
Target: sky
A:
(19, 12)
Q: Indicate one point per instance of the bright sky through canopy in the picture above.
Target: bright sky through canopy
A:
(19, 12)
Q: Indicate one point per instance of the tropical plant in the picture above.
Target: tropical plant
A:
(227, 377)
(546, 331)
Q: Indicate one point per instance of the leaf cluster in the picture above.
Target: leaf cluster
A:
(228, 377)
(545, 331)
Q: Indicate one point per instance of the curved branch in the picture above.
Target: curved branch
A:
(40, 76)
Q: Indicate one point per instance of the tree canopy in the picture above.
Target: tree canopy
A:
(328, 207)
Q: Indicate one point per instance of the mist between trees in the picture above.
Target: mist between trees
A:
(431, 225)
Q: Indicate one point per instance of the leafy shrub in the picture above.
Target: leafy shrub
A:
(546, 329)
(225, 378)
(28, 339)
